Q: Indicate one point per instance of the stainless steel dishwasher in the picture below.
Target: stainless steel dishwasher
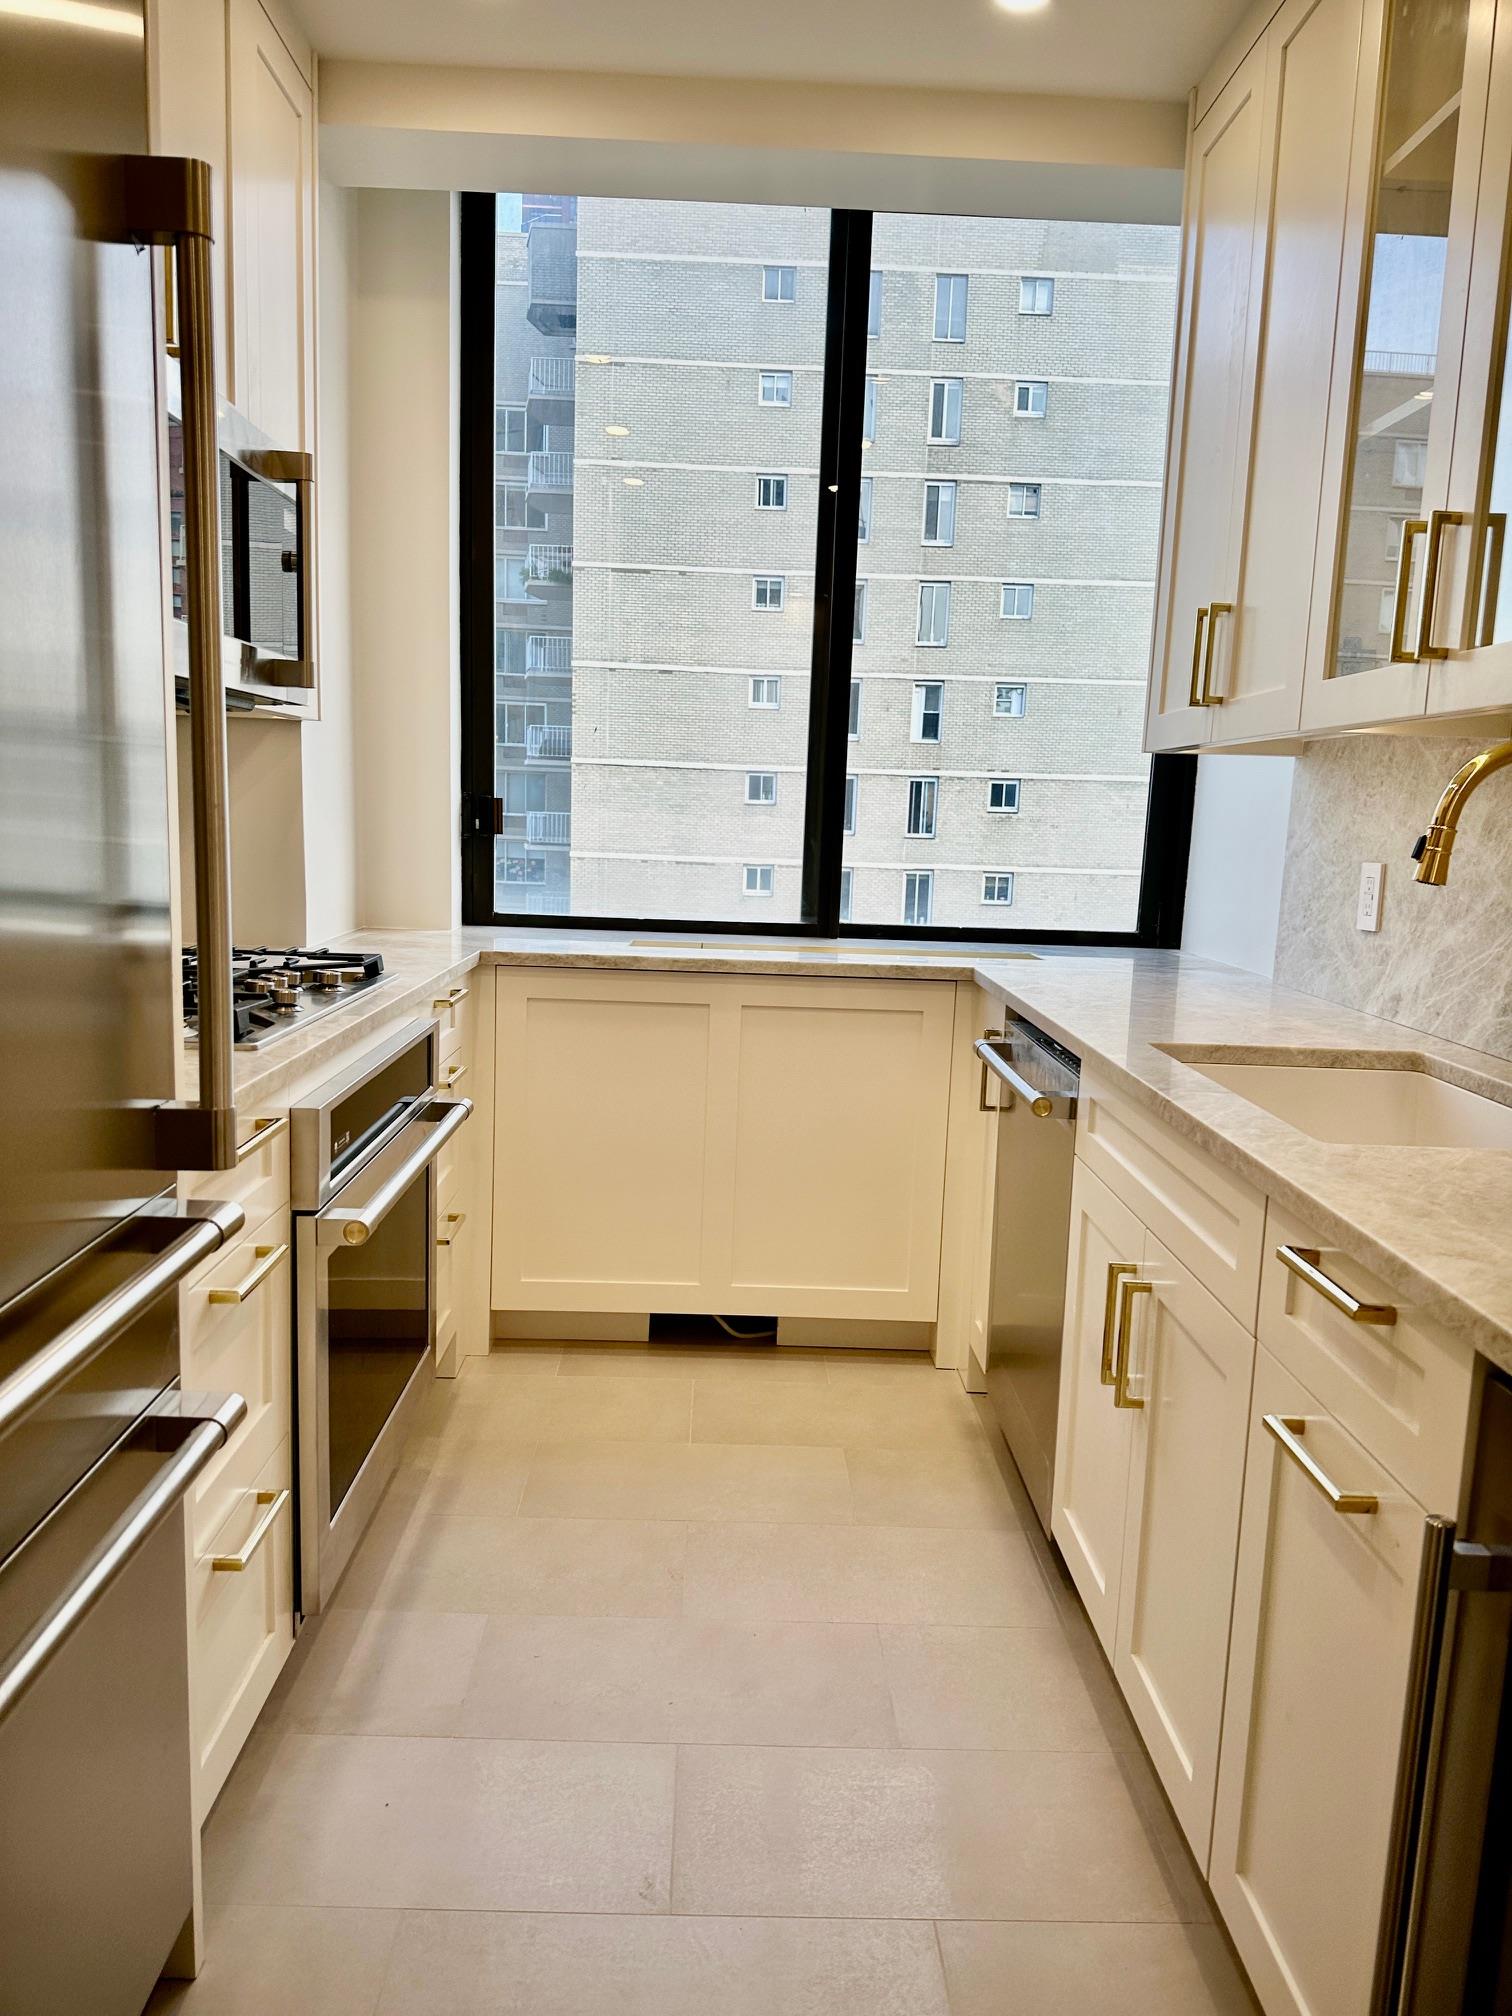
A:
(1031, 1082)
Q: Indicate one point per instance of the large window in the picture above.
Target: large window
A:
(681, 420)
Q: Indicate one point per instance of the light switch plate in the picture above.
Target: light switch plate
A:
(1372, 886)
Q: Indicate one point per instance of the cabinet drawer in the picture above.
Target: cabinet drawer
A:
(260, 1179)
(1211, 1220)
(241, 1620)
(452, 1007)
(240, 1346)
(1403, 1388)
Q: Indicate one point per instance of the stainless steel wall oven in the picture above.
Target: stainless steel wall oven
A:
(363, 1153)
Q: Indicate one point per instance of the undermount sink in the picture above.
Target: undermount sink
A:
(1402, 1104)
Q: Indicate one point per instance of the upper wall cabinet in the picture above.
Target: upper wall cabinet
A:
(1267, 185)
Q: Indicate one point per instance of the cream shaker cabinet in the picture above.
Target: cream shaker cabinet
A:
(1267, 180)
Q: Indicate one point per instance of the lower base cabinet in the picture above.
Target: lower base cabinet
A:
(1324, 1608)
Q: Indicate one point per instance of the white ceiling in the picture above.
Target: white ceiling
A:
(1097, 48)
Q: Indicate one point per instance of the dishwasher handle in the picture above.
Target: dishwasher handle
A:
(1042, 1105)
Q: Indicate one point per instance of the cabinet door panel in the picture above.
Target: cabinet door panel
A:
(1092, 1435)
(1192, 1364)
(1324, 1606)
(1210, 421)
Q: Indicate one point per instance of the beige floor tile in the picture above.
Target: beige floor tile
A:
(521, 1567)
(862, 1575)
(1074, 1970)
(298, 1962)
(911, 1833)
(513, 1361)
(483, 1964)
(953, 1487)
(556, 1410)
(635, 1679)
(692, 1361)
(647, 1480)
(440, 1822)
(851, 1412)
(377, 1673)
(958, 1687)
(466, 1470)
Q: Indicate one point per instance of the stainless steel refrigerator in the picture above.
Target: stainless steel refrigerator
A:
(97, 1445)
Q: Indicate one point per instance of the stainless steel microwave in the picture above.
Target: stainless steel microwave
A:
(267, 573)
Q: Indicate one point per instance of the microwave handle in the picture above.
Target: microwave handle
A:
(292, 465)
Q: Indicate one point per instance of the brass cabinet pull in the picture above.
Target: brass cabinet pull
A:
(988, 1036)
(267, 1258)
(1306, 1263)
(1196, 690)
(1215, 610)
(263, 1131)
(233, 1564)
(450, 998)
(455, 1072)
(1116, 1271)
(1127, 1290)
(1437, 523)
(1491, 566)
(456, 1220)
(1288, 1430)
(1400, 655)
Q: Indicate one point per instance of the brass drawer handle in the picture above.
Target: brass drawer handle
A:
(233, 1564)
(267, 1258)
(1196, 692)
(1306, 1263)
(451, 997)
(456, 1220)
(1116, 1271)
(1215, 610)
(1437, 522)
(1127, 1290)
(454, 1073)
(988, 1036)
(1412, 528)
(1288, 1430)
(263, 1131)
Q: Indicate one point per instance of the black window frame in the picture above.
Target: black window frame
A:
(1168, 822)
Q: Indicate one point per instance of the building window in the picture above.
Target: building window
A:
(950, 308)
(1036, 296)
(1018, 600)
(779, 283)
(761, 787)
(923, 798)
(1023, 500)
(510, 507)
(1010, 699)
(509, 579)
(997, 887)
(863, 519)
(1387, 611)
(845, 895)
(853, 730)
(869, 415)
(768, 591)
(1031, 396)
(874, 304)
(934, 612)
(765, 692)
(771, 493)
(1395, 528)
(918, 896)
(510, 431)
(945, 412)
(939, 514)
(1003, 794)
(858, 624)
(850, 805)
(774, 388)
(1409, 465)
(928, 700)
(758, 878)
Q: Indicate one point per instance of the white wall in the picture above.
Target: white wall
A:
(402, 458)
(1238, 857)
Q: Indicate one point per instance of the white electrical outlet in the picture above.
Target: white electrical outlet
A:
(1372, 885)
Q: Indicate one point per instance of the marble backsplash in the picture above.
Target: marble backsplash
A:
(1442, 960)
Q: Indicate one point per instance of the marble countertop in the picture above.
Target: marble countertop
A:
(1432, 1222)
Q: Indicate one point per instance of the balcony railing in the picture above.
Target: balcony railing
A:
(548, 654)
(551, 378)
(1401, 363)
(548, 564)
(548, 471)
(548, 829)
(548, 742)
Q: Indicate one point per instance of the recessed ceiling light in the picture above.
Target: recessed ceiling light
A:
(618, 432)
(1021, 6)
(634, 482)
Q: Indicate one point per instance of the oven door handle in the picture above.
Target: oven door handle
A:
(354, 1224)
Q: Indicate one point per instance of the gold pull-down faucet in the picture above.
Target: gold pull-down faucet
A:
(1434, 848)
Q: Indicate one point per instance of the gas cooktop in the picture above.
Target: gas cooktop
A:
(276, 989)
